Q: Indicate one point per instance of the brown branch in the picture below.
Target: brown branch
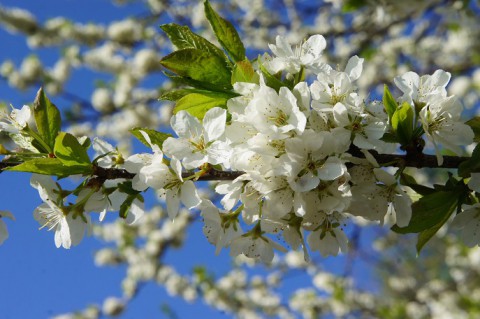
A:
(395, 160)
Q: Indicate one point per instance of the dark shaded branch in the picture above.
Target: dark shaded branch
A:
(418, 161)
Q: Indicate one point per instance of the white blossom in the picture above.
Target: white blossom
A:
(69, 227)
(442, 125)
(468, 223)
(275, 115)
(308, 54)
(220, 227)
(417, 88)
(254, 244)
(16, 121)
(198, 144)
(3, 227)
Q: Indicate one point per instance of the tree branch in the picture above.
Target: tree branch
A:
(396, 160)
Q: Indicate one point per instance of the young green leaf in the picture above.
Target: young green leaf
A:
(408, 180)
(47, 118)
(243, 72)
(402, 123)
(3, 150)
(183, 38)
(205, 86)
(474, 123)
(429, 211)
(389, 137)
(471, 165)
(126, 188)
(389, 102)
(199, 65)
(353, 5)
(70, 152)
(426, 235)
(226, 34)
(176, 95)
(198, 104)
(51, 166)
(156, 138)
(125, 207)
(270, 79)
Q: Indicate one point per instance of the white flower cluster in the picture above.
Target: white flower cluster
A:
(439, 114)
(292, 147)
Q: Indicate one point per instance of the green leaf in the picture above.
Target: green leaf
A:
(182, 80)
(389, 137)
(244, 72)
(3, 150)
(410, 181)
(430, 210)
(47, 118)
(270, 79)
(462, 198)
(389, 102)
(70, 152)
(474, 123)
(127, 188)
(426, 235)
(183, 38)
(176, 95)
(471, 165)
(87, 143)
(402, 123)
(51, 166)
(157, 138)
(198, 104)
(226, 34)
(125, 207)
(199, 65)
(353, 5)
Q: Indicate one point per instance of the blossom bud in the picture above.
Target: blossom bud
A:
(102, 100)
(113, 306)
(125, 32)
(31, 68)
(7, 68)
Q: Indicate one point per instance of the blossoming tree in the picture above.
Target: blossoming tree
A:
(302, 154)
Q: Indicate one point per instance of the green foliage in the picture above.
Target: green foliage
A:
(70, 152)
(243, 72)
(127, 188)
(183, 38)
(429, 211)
(408, 180)
(69, 158)
(434, 209)
(471, 165)
(389, 102)
(205, 86)
(226, 34)
(157, 138)
(353, 5)
(50, 166)
(47, 119)
(474, 123)
(199, 65)
(198, 104)
(402, 123)
(271, 80)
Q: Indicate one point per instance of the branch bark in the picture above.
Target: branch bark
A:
(396, 160)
